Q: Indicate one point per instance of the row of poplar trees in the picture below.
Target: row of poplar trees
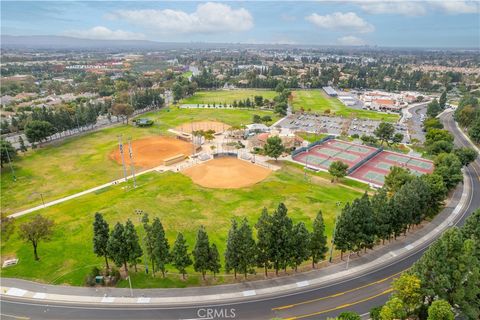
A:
(279, 244)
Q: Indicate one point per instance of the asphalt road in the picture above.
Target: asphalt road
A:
(357, 294)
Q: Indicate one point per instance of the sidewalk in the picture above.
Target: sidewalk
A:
(375, 259)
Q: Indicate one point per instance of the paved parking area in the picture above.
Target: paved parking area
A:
(333, 125)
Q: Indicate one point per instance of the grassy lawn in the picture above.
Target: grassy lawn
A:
(182, 207)
(79, 163)
(317, 101)
(227, 96)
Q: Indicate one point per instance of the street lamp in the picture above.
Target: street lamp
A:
(140, 213)
(339, 203)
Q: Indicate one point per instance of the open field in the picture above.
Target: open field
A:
(227, 173)
(316, 101)
(79, 163)
(227, 96)
(181, 205)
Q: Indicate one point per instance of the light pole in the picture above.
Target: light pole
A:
(140, 213)
(334, 229)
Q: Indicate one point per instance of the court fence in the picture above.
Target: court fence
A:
(311, 145)
(364, 160)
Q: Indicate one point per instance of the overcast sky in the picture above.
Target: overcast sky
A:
(439, 23)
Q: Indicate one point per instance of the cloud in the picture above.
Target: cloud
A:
(417, 8)
(408, 8)
(351, 41)
(456, 7)
(210, 17)
(339, 21)
(103, 33)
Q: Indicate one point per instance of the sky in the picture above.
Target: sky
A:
(436, 23)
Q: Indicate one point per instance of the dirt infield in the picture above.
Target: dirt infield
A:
(151, 152)
(227, 173)
(188, 127)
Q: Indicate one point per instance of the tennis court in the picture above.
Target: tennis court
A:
(321, 156)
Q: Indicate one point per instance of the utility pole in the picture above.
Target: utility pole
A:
(120, 146)
(132, 164)
(333, 235)
(10, 163)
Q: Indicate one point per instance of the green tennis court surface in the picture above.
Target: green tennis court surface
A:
(396, 158)
(420, 164)
(341, 145)
(383, 165)
(359, 149)
(309, 159)
(347, 156)
(370, 175)
(326, 163)
(327, 151)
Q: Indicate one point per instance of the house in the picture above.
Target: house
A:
(385, 105)
(330, 91)
(256, 127)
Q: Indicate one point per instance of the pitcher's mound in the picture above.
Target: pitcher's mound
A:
(226, 173)
(151, 152)
(216, 126)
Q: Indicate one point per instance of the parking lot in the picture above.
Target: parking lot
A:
(333, 125)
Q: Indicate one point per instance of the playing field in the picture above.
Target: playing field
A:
(316, 100)
(227, 96)
(150, 152)
(181, 204)
(216, 126)
(227, 173)
(79, 163)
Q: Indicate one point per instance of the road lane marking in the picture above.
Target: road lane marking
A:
(346, 305)
(302, 284)
(143, 300)
(39, 295)
(337, 294)
(249, 293)
(16, 292)
(14, 317)
(108, 299)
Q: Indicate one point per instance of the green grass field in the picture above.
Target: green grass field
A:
(182, 207)
(317, 101)
(79, 163)
(227, 96)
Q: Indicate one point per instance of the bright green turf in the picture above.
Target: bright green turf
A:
(227, 96)
(316, 101)
(181, 205)
(77, 164)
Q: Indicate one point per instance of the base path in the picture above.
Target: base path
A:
(216, 126)
(151, 152)
(227, 173)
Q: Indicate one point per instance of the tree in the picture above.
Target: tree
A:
(256, 118)
(263, 227)
(231, 251)
(384, 132)
(338, 169)
(279, 250)
(37, 229)
(100, 237)
(396, 178)
(474, 130)
(37, 131)
(7, 152)
(433, 108)
(393, 310)
(161, 248)
(318, 240)
(23, 147)
(440, 310)
(7, 225)
(132, 244)
(214, 260)
(266, 119)
(449, 167)
(443, 100)
(117, 250)
(397, 137)
(382, 214)
(299, 243)
(465, 155)
(434, 135)
(180, 257)
(280, 87)
(349, 315)
(258, 101)
(432, 123)
(123, 110)
(245, 248)
(201, 252)
(274, 147)
(408, 289)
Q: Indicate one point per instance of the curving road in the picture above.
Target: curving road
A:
(357, 292)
